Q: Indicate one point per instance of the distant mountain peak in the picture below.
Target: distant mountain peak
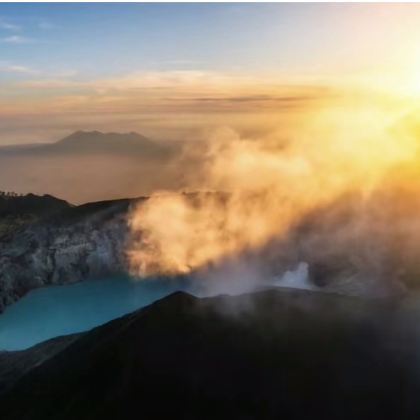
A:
(109, 142)
(97, 135)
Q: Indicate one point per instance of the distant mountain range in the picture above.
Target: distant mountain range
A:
(90, 166)
(95, 142)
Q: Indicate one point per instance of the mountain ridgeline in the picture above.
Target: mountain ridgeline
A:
(94, 142)
(89, 165)
(267, 355)
(18, 210)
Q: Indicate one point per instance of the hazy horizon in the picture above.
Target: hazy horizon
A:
(169, 71)
(291, 77)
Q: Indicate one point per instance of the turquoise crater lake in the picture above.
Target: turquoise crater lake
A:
(57, 310)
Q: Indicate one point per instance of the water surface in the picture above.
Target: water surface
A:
(56, 310)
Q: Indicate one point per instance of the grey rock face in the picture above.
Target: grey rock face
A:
(79, 243)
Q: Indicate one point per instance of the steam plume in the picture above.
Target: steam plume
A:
(258, 190)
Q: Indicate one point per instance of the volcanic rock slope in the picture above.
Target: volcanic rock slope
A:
(274, 354)
(63, 246)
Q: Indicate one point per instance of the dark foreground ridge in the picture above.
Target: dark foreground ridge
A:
(273, 354)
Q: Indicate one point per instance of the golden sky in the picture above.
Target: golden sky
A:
(168, 69)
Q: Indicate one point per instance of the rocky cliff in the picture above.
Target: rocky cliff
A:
(67, 246)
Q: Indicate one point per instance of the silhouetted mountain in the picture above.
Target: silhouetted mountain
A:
(268, 355)
(97, 142)
(93, 142)
(90, 166)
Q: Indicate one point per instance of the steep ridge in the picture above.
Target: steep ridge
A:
(272, 354)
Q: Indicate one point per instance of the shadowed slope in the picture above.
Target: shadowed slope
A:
(273, 354)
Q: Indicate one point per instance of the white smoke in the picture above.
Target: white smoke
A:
(296, 279)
